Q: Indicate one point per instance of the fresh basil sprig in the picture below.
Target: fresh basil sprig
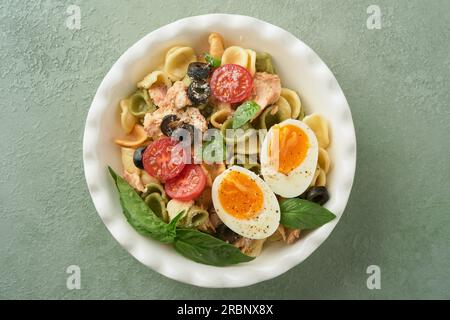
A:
(139, 215)
(192, 244)
(214, 62)
(244, 113)
(206, 249)
(303, 214)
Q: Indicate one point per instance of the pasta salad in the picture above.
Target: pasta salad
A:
(219, 159)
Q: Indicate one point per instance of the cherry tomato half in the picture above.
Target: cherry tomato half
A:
(164, 159)
(231, 83)
(188, 185)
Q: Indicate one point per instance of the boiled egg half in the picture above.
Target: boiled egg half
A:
(245, 203)
(289, 158)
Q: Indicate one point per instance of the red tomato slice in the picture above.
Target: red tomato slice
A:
(231, 83)
(164, 159)
(188, 185)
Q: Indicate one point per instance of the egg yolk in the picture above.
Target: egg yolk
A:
(292, 148)
(240, 195)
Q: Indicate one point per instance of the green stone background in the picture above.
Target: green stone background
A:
(396, 81)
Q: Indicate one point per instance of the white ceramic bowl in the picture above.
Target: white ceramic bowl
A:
(300, 69)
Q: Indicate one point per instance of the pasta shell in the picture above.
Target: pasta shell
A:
(136, 138)
(216, 46)
(218, 118)
(251, 63)
(294, 101)
(174, 207)
(284, 109)
(323, 160)
(235, 55)
(155, 187)
(319, 125)
(194, 217)
(277, 113)
(148, 179)
(157, 204)
(127, 120)
(264, 63)
(320, 178)
(127, 161)
(177, 62)
(154, 78)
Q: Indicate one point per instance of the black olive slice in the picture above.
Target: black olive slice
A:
(137, 157)
(168, 124)
(199, 92)
(199, 71)
(318, 195)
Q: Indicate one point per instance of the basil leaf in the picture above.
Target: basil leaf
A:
(303, 214)
(206, 249)
(139, 215)
(244, 113)
(214, 62)
(174, 222)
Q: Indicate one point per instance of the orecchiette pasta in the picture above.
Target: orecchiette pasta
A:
(177, 62)
(294, 101)
(216, 46)
(158, 205)
(147, 179)
(320, 178)
(193, 215)
(127, 161)
(251, 62)
(140, 103)
(319, 125)
(154, 187)
(323, 160)
(155, 78)
(155, 197)
(136, 138)
(127, 120)
(277, 113)
(235, 55)
(263, 63)
(219, 118)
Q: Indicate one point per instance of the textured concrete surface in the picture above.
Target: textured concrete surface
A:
(397, 83)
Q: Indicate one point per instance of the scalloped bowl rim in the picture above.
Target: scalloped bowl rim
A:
(319, 91)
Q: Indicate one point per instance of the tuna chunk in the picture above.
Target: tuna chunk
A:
(191, 115)
(266, 89)
(152, 121)
(158, 94)
(176, 96)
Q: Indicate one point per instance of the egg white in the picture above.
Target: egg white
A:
(299, 179)
(264, 224)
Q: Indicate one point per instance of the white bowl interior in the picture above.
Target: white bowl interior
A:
(299, 68)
